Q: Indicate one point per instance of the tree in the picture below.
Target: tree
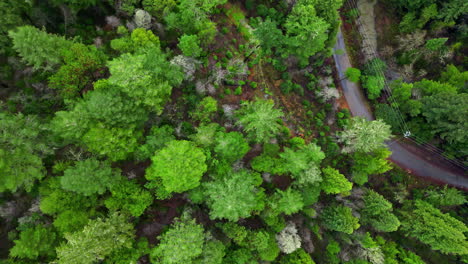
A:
(146, 77)
(128, 196)
(11, 12)
(375, 67)
(270, 36)
(88, 177)
(230, 146)
(365, 164)
(37, 48)
(353, 74)
(157, 138)
(139, 39)
(428, 87)
(159, 8)
(374, 85)
(304, 26)
(259, 119)
(182, 243)
(22, 146)
(35, 242)
(190, 46)
(76, 5)
(180, 165)
(288, 239)
(299, 256)
(235, 195)
(445, 197)
(287, 202)
(98, 239)
(365, 136)
(71, 221)
(334, 182)
(377, 212)
(446, 115)
(339, 218)
(432, 227)
(454, 77)
(205, 109)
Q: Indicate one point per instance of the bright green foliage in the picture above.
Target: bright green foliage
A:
(98, 239)
(88, 177)
(394, 255)
(70, 221)
(235, 232)
(34, 242)
(22, 144)
(240, 256)
(353, 74)
(230, 146)
(37, 48)
(205, 109)
(159, 8)
(304, 26)
(445, 197)
(365, 136)
(435, 44)
(128, 196)
(375, 67)
(147, 78)
(299, 256)
(271, 251)
(333, 248)
(235, 195)
(190, 46)
(139, 39)
(269, 35)
(432, 227)
(259, 119)
(446, 114)
(81, 63)
(157, 138)
(374, 85)
(303, 163)
(366, 164)
(402, 94)
(182, 243)
(378, 212)
(129, 255)
(287, 202)
(206, 134)
(454, 77)
(213, 253)
(180, 165)
(428, 87)
(339, 218)
(334, 182)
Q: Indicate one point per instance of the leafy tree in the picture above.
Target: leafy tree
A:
(353, 74)
(438, 230)
(35, 242)
(377, 212)
(299, 256)
(128, 196)
(235, 195)
(259, 119)
(11, 12)
(365, 164)
(98, 239)
(334, 182)
(339, 218)
(445, 197)
(145, 77)
(190, 46)
(139, 39)
(88, 177)
(159, 8)
(129, 255)
(269, 35)
(213, 252)
(288, 239)
(71, 221)
(230, 146)
(402, 94)
(428, 87)
(365, 136)
(374, 85)
(454, 77)
(22, 146)
(446, 115)
(157, 138)
(75, 4)
(287, 202)
(375, 67)
(37, 48)
(81, 62)
(180, 165)
(304, 26)
(435, 44)
(205, 109)
(182, 243)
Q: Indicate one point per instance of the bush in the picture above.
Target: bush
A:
(353, 74)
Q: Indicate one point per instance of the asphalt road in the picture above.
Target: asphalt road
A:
(408, 157)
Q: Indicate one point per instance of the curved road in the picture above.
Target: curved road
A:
(406, 156)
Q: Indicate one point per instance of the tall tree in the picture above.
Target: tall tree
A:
(35, 242)
(365, 136)
(339, 218)
(334, 182)
(377, 212)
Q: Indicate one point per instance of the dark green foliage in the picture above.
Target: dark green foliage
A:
(378, 213)
(157, 138)
(445, 197)
(34, 242)
(71, 221)
(297, 257)
(128, 196)
(287, 202)
(339, 218)
(230, 146)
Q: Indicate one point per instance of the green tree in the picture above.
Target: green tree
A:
(159, 8)
(230, 146)
(270, 36)
(75, 5)
(435, 44)
(157, 138)
(128, 196)
(454, 77)
(428, 87)
(180, 165)
(139, 39)
(235, 195)
(11, 16)
(205, 109)
(182, 243)
(374, 85)
(98, 239)
(88, 177)
(37, 48)
(334, 182)
(145, 77)
(445, 197)
(287, 202)
(440, 231)
(364, 136)
(339, 218)
(365, 164)
(299, 256)
(259, 119)
(377, 212)
(71, 221)
(22, 146)
(35, 242)
(190, 46)
(353, 74)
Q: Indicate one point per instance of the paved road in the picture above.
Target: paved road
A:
(402, 154)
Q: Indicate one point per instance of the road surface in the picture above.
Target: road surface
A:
(407, 157)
